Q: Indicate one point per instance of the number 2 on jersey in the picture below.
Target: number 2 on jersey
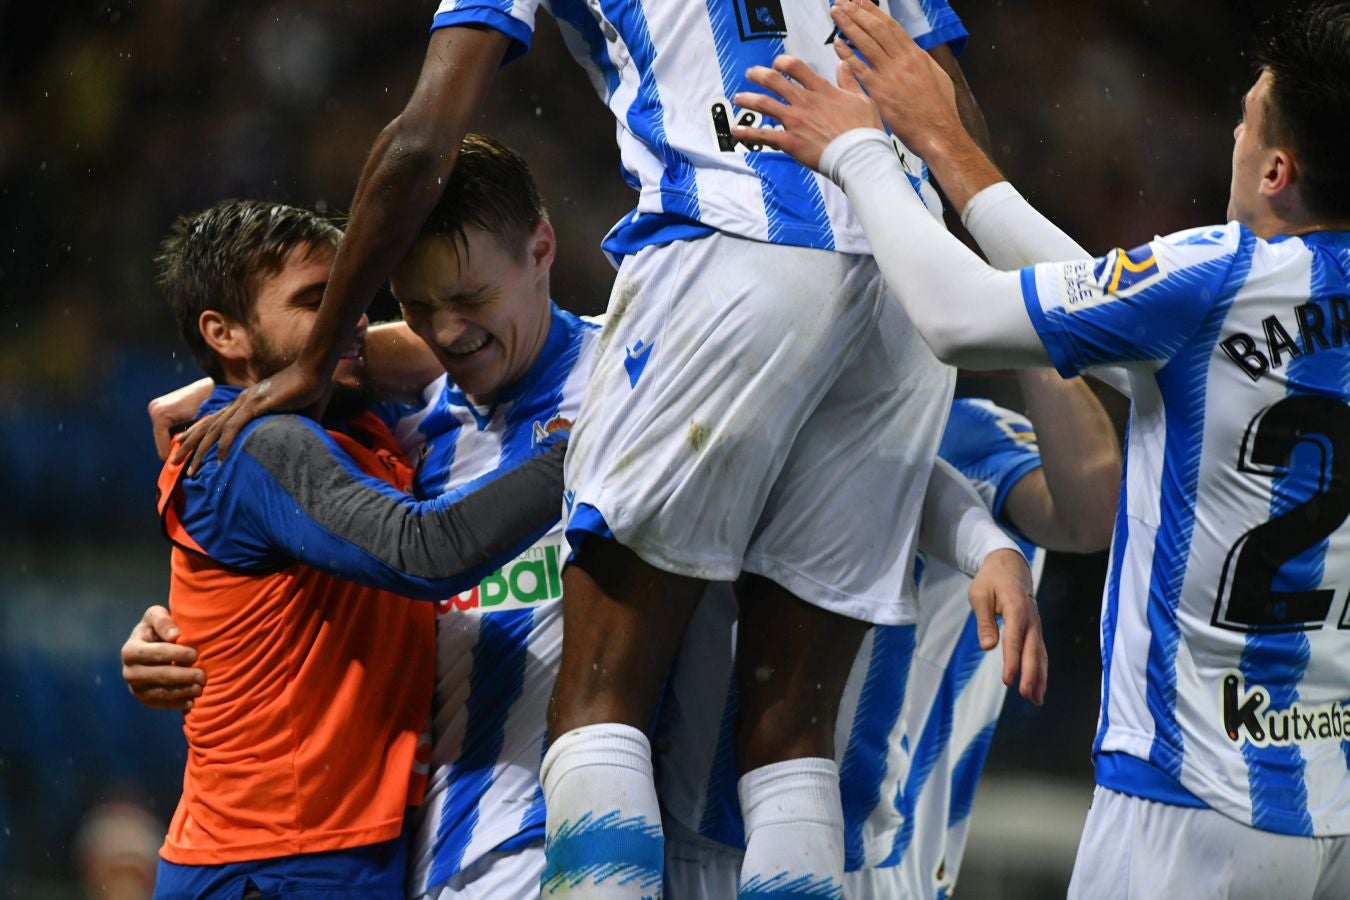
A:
(1248, 599)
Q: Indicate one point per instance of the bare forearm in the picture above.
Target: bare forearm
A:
(400, 362)
(402, 180)
(1080, 458)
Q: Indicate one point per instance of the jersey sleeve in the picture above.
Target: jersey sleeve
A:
(1133, 306)
(513, 18)
(289, 492)
(993, 447)
(930, 23)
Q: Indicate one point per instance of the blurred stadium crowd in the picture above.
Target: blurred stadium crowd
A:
(117, 116)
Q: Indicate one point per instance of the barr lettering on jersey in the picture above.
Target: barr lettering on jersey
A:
(1311, 323)
(531, 579)
(1248, 718)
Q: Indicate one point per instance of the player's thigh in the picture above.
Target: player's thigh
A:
(714, 354)
(696, 870)
(503, 875)
(1136, 849)
(839, 528)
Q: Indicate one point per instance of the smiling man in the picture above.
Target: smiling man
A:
(290, 556)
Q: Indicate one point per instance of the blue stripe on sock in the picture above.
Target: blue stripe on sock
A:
(596, 849)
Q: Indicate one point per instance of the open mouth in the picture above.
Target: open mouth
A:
(469, 347)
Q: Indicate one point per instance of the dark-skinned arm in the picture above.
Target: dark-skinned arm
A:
(402, 179)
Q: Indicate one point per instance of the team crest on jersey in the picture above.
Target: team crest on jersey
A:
(543, 429)
(1248, 717)
(760, 19)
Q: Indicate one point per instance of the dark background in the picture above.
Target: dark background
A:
(1114, 117)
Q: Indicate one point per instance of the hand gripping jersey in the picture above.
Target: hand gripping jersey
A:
(301, 657)
(497, 644)
(917, 713)
(1225, 628)
(666, 70)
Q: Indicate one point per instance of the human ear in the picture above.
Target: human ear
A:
(227, 338)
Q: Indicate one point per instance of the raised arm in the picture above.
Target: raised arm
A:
(400, 183)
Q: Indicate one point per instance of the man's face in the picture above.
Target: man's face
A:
(283, 316)
(1250, 154)
(482, 310)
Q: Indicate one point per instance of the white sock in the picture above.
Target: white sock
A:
(603, 831)
(794, 830)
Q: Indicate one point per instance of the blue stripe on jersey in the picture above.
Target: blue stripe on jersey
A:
(1120, 538)
(532, 823)
(945, 27)
(578, 16)
(721, 820)
(1277, 662)
(793, 203)
(966, 774)
(937, 731)
(1183, 383)
(497, 19)
(498, 677)
(441, 429)
(864, 764)
(646, 115)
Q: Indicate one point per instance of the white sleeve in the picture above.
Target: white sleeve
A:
(956, 527)
(970, 314)
(1012, 233)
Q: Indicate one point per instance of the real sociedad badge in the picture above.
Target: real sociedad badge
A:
(760, 19)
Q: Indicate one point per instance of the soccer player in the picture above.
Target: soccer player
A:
(748, 341)
(286, 552)
(1221, 753)
(922, 701)
(478, 268)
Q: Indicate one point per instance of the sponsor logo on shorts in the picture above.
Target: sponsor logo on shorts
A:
(532, 579)
(1247, 716)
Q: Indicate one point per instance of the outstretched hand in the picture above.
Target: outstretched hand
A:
(1002, 587)
(293, 389)
(916, 97)
(813, 111)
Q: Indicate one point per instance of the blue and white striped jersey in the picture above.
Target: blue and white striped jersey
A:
(916, 715)
(498, 644)
(1225, 626)
(667, 69)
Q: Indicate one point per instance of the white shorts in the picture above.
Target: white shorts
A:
(1133, 849)
(510, 875)
(761, 408)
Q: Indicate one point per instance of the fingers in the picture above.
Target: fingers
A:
(187, 444)
(863, 32)
(846, 79)
(767, 137)
(763, 103)
(982, 603)
(799, 72)
(161, 623)
(1035, 665)
(180, 694)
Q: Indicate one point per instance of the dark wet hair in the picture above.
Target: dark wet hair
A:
(216, 259)
(1307, 53)
(491, 189)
